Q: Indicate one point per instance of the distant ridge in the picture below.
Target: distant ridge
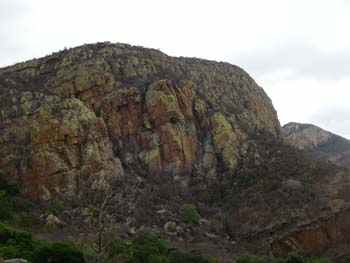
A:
(320, 143)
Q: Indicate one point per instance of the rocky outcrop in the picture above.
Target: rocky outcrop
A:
(198, 130)
(327, 236)
(109, 109)
(318, 142)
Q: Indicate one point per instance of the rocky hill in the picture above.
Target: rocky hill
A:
(318, 142)
(177, 131)
(109, 108)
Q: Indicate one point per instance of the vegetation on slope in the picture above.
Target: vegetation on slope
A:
(142, 249)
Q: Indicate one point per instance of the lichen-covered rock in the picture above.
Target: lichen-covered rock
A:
(107, 110)
(224, 139)
(113, 108)
(55, 145)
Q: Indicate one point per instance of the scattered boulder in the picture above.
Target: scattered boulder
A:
(203, 221)
(52, 220)
(211, 235)
(132, 231)
(170, 228)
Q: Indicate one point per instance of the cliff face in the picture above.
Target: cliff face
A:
(319, 143)
(328, 236)
(107, 109)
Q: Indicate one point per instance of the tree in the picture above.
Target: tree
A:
(189, 214)
(92, 211)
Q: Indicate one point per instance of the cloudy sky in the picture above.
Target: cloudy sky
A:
(297, 50)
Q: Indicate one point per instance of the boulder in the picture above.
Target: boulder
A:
(52, 220)
(170, 228)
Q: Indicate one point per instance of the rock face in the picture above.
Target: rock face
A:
(328, 236)
(318, 142)
(109, 109)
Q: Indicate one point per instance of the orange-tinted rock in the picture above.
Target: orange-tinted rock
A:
(316, 237)
(86, 110)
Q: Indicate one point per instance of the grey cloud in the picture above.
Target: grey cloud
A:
(301, 58)
(11, 9)
(335, 120)
(13, 30)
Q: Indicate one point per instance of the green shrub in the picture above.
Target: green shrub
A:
(56, 207)
(15, 244)
(158, 259)
(145, 248)
(116, 248)
(316, 260)
(58, 253)
(7, 191)
(189, 214)
(6, 207)
(9, 252)
(9, 188)
(295, 258)
(190, 257)
(252, 259)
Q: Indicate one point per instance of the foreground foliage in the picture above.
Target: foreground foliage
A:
(146, 248)
(7, 192)
(15, 244)
(142, 249)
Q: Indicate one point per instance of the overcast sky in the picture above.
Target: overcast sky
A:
(297, 50)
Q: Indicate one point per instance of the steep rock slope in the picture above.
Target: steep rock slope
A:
(318, 142)
(103, 109)
(189, 130)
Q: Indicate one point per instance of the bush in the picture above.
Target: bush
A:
(190, 257)
(57, 253)
(9, 252)
(189, 214)
(7, 191)
(295, 258)
(6, 207)
(8, 188)
(147, 249)
(15, 244)
(152, 249)
(56, 207)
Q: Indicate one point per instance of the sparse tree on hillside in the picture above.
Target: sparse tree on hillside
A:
(93, 211)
